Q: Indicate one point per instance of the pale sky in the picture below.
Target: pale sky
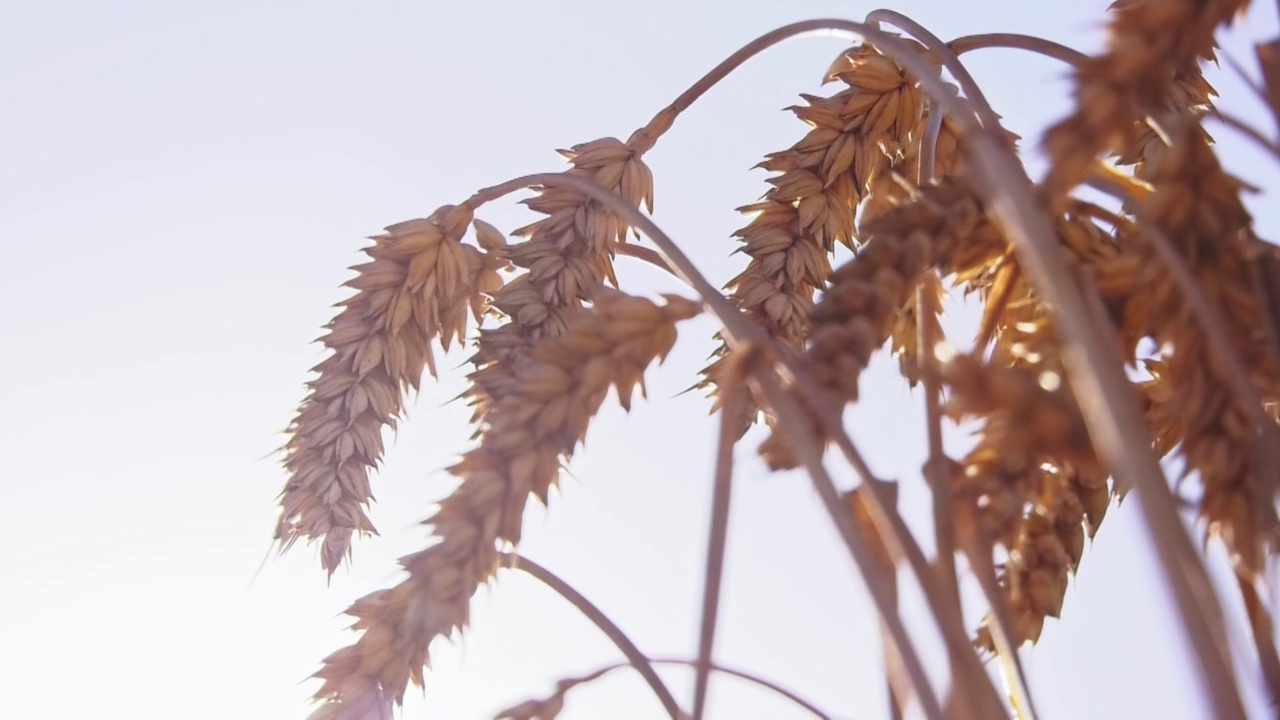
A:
(183, 187)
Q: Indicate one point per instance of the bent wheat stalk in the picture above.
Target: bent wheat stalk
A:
(537, 709)
(635, 658)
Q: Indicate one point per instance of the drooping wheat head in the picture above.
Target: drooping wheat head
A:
(559, 385)
(419, 286)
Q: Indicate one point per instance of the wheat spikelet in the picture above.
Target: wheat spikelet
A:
(419, 286)
(567, 257)
(560, 384)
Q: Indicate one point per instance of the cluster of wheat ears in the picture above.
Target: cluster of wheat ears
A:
(908, 165)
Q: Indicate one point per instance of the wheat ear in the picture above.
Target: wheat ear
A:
(418, 287)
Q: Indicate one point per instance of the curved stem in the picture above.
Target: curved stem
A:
(569, 683)
(935, 470)
(644, 138)
(1247, 130)
(602, 621)
(643, 254)
(757, 680)
(1017, 41)
(731, 393)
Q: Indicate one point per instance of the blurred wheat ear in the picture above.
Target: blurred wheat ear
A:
(918, 176)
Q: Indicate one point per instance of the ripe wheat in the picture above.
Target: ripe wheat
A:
(919, 178)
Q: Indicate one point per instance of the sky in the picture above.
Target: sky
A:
(182, 187)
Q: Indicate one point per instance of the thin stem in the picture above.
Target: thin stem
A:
(1016, 41)
(935, 470)
(731, 394)
(1001, 629)
(1263, 631)
(1247, 130)
(569, 683)
(899, 696)
(644, 138)
(602, 621)
(644, 254)
(929, 144)
(1249, 82)
(757, 680)
(810, 453)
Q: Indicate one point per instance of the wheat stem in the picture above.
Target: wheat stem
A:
(636, 658)
(1247, 130)
(756, 680)
(731, 392)
(948, 57)
(569, 683)
(935, 470)
(1003, 635)
(644, 254)
(810, 453)
(1263, 628)
(1017, 41)
(929, 145)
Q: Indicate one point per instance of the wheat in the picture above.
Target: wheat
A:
(923, 189)
(561, 383)
(419, 286)
(1152, 45)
